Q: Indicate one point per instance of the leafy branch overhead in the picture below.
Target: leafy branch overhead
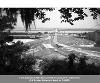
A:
(95, 12)
(66, 14)
(28, 14)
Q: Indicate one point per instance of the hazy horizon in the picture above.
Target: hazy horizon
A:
(60, 29)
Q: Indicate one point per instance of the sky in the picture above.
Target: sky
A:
(55, 22)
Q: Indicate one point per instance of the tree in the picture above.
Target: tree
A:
(7, 22)
(10, 55)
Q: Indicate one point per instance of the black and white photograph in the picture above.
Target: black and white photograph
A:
(50, 41)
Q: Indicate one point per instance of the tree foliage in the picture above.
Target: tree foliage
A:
(7, 22)
(74, 65)
(7, 19)
(66, 14)
(95, 12)
(29, 14)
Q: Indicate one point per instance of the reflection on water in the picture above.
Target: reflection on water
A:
(23, 40)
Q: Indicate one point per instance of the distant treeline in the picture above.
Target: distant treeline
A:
(25, 33)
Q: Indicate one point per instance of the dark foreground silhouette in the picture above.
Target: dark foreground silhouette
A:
(70, 67)
(13, 62)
